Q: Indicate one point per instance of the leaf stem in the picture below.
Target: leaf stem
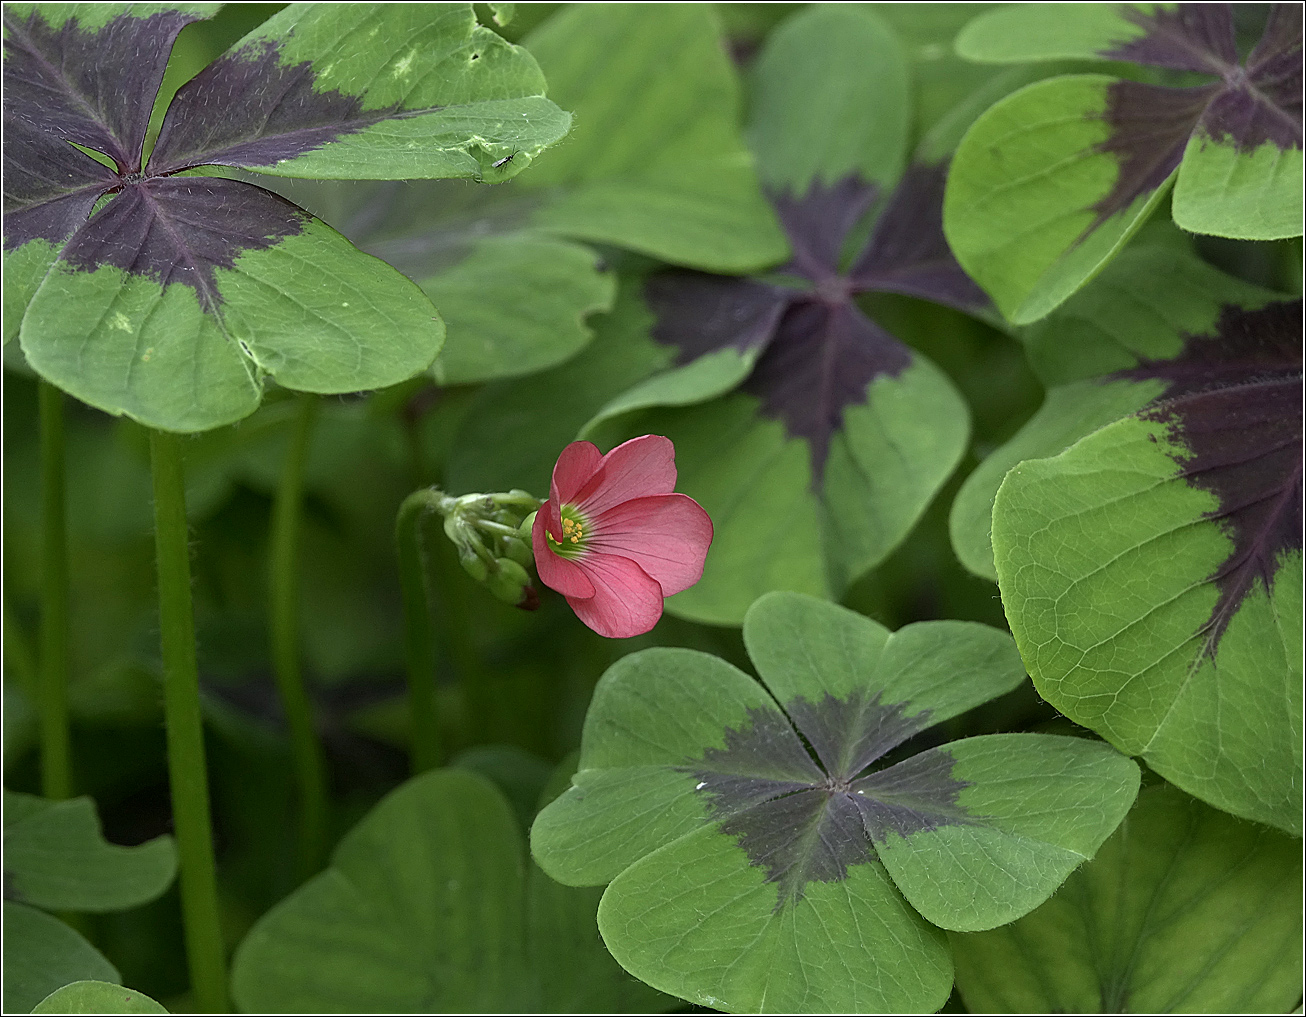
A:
(56, 742)
(283, 602)
(419, 633)
(187, 773)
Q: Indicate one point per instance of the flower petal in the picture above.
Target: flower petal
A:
(575, 467)
(666, 535)
(634, 469)
(556, 572)
(626, 602)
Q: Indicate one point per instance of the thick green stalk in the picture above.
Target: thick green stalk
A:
(187, 772)
(56, 743)
(310, 767)
(419, 634)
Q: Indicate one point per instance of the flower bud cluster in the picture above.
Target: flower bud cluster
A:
(492, 533)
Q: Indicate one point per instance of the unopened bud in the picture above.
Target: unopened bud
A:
(473, 563)
(527, 527)
(508, 581)
(518, 550)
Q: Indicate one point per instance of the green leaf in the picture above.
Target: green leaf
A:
(41, 954)
(1139, 309)
(97, 997)
(1107, 560)
(1184, 909)
(56, 858)
(516, 305)
(754, 869)
(1019, 33)
(427, 905)
(1019, 208)
(655, 162)
(808, 120)
(128, 345)
(1255, 195)
(438, 95)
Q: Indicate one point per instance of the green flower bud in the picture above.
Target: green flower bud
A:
(509, 581)
(518, 550)
(473, 563)
(527, 526)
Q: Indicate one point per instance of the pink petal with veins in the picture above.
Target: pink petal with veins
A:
(667, 535)
(634, 469)
(574, 468)
(626, 602)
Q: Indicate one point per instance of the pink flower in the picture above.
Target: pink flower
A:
(613, 538)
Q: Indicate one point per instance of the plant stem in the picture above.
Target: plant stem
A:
(419, 633)
(187, 773)
(56, 743)
(310, 767)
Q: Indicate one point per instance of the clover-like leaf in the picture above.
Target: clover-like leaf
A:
(1152, 572)
(839, 434)
(1051, 182)
(1184, 909)
(56, 858)
(428, 906)
(42, 954)
(89, 996)
(174, 300)
(766, 852)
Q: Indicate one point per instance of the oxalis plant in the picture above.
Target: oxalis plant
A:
(807, 516)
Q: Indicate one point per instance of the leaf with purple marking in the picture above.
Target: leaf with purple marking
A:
(1050, 183)
(185, 290)
(834, 435)
(776, 848)
(1152, 572)
(1142, 308)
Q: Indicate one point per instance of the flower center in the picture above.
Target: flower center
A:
(573, 541)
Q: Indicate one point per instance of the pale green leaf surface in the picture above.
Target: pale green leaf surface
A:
(655, 162)
(1104, 556)
(1045, 803)
(1184, 909)
(41, 954)
(854, 946)
(1018, 33)
(829, 99)
(1018, 210)
(57, 859)
(128, 346)
(516, 305)
(1253, 195)
(97, 997)
(464, 97)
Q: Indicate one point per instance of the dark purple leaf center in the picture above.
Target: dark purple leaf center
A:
(807, 815)
(95, 88)
(1233, 400)
(1249, 106)
(817, 351)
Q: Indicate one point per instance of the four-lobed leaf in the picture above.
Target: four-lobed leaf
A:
(185, 289)
(765, 847)
(1050, 183)
(835, 434)
(1183, 909)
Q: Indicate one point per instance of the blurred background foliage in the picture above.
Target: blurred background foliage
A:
(506, 677)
